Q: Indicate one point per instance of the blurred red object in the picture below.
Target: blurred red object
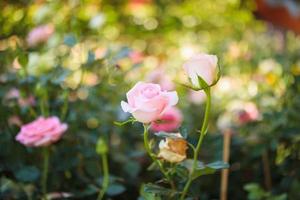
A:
(278, 15)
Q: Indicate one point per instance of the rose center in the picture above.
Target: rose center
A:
(150, 92)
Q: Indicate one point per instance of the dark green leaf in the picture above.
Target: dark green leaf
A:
(156, 189)
(184, 131)
(203, 169)
(115, 189)
(28, 174)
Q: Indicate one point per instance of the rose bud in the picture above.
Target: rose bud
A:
(202, 65)
(173, 149)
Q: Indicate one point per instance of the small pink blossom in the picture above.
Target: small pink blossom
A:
(169, 121)
(41, 132)
(39, 34)
(147, 101)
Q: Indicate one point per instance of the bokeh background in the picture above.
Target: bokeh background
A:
(91, 52)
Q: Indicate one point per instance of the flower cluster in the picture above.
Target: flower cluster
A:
(150, 104)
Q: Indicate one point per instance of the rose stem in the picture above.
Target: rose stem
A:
(148, 149)
(225, 172)
(45, 172)
(105, 182)
(197, 150)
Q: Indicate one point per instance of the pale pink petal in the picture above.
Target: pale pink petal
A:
(125, 106)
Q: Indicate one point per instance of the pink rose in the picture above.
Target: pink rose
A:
(169, 121)
(147, 102)
(202, 65)
(39, 34)
(41, 132)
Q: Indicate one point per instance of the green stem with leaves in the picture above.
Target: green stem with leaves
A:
(153, 157)
(198, 147)
(105, 182)
(45, 171)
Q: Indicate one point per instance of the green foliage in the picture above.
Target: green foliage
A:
(257, 193)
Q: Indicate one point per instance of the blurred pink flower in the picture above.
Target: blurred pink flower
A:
(147, 101)
(136, 57)
(12, 94)
(169, 121)
(39, 34)
(248, 114)
(159, 76)
(23, 102)
(137, 4)
(196, 97)
(41, 132)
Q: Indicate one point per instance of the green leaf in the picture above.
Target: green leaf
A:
(182, 172)
(89, 190)
(218, 165)
(132, 168)
(28, 174)
(147, 195)
(203, 169)
(156, 189)
(115, 189)
(70, 40)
